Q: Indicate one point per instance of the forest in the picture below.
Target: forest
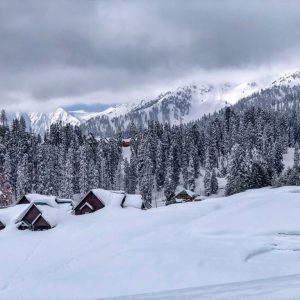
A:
(243, 144)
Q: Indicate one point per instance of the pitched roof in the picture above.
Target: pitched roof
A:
(108, 198)
(53, 215)
(22, 215)
(179, 190)
(41, 199)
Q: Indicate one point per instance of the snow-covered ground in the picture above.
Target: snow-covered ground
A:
(278, 288)
(215, 244)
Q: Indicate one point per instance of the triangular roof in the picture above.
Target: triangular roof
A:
(23, 214)
(45, 213)
(107, 198)
(40, 199)
(180, 190)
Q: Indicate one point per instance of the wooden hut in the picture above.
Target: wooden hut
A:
(97, 199)
(38, 199)
(32, 219)
(185, 195)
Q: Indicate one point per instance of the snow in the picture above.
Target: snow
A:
(126, 153)
(133, 200)
(280, 288)
(288, 158)
(216, 244)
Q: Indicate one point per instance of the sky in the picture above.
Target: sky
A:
(92, 54)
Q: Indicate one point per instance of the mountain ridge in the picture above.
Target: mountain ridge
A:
(181, 105)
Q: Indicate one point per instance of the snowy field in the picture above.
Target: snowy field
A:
(246, 246)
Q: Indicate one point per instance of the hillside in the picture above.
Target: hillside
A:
(113, 252)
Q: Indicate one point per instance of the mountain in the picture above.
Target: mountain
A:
(177, 106)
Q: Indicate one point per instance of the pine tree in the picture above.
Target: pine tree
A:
(237, 178)
(214, 182)
(296, 157)
(207, 182)
(67, 188)
(83, 171)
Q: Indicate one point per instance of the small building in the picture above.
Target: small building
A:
(38, 199)
(184, 195)
(99, 198)
(2, 226)
(32, 218)
(126, 143)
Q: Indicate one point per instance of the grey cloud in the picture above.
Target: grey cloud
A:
(52, 49)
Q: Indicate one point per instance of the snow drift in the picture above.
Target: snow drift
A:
(250, 236)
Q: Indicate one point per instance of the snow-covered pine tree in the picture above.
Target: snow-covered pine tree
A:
(83, 170)
(214, 182)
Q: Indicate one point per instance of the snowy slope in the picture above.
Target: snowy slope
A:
(250, 236)
(277, 288)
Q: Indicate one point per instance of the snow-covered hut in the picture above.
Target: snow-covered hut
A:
(38, 199)
(97, 199)
(184, 195)
(126, 142)
(33, 218)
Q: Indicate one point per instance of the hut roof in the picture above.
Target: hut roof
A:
(109, 198)
(41, 199)
(180, 190)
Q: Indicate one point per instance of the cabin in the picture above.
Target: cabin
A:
(184, 195)
(97, 199)
(32, 218)
(2, 226)
(38, 199)
(126, 143)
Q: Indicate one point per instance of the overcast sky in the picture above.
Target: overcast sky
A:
(59, 53)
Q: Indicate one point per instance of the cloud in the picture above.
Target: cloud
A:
(55, 53)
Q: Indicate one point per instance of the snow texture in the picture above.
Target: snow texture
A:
(214, 245)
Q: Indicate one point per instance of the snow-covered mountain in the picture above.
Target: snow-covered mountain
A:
(177, 106)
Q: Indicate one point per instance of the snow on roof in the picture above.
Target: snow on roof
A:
(181, 189)
(24, 212)
(109, 198)
(133, 200)
(14, 214)
(38, 198)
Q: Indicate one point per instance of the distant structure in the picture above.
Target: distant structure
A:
(184, 195)
(126, 143)
(32, 218)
